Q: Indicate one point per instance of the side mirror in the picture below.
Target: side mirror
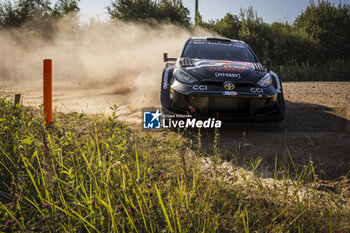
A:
(268, 64)
(166, 58)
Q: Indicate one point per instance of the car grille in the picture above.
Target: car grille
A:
(223, 104)
(212, 83)
(219, 104)
(245, 84)
(221, 83)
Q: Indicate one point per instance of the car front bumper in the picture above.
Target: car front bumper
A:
(213, 101)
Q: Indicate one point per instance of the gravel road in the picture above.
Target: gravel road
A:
(316, 125)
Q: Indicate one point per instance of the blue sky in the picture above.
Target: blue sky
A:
(269, 10)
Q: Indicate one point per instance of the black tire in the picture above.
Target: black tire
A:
(280, 106)
(165, 92)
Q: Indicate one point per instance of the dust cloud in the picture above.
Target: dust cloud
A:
(114, 59)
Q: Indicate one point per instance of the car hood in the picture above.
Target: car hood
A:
(202, 69)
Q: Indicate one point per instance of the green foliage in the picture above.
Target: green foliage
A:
(35, 12)
(95, 174)
(320, 35)
(289, 46)
(129, 10)
(330, 26)
(338, 70)
(171, 11)
(64, 7)
(228, 26)
(255, 32)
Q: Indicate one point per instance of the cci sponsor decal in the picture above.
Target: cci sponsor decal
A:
(200, 87)
(256, 90)
(227, 75)
(152, 120)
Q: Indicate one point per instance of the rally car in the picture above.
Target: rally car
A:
(221, 78)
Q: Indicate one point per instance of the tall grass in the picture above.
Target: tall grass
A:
(95, 174)
(338, 70)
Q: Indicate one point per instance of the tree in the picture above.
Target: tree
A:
(256, 33)
(228, 26)
(330, 25)
(132, 10)
(290, 46)
(174, 12)
(65, 7)
(35, 12)
(142, 10)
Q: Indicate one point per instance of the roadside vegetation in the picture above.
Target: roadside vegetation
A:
(95, 174)
(314, 47)
(318, 39)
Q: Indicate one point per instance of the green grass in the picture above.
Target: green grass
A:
(96, 174)
(338, 70)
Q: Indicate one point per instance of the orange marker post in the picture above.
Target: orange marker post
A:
(48, 91)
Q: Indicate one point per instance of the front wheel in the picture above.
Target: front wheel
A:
(280, 106)
(165, 100)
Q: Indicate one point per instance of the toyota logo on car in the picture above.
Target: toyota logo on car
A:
(229, 86)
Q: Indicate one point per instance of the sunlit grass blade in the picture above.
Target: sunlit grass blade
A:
(163, 208)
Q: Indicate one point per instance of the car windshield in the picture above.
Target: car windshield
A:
(233, 51)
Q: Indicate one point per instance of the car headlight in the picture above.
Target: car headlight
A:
(182, 76)
(265, 81)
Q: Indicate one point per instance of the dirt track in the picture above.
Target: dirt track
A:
(316, 125)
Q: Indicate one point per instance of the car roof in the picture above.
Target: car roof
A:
(216, 38)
